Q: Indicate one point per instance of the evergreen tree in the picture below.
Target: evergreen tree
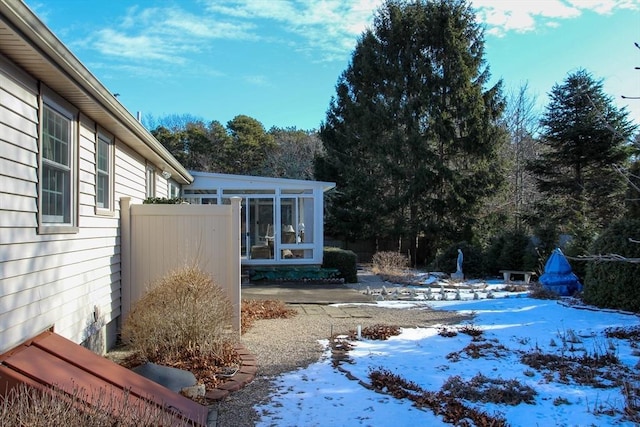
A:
(248, 146)
(411, 134)
(585, 138)
(219, 138)
(240, 148)
(633, 182)
(194, 144)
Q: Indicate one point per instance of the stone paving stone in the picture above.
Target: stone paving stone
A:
(356, 312)
(313, 309)
(335, 312)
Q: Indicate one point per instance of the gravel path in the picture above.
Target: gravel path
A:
(283, 345)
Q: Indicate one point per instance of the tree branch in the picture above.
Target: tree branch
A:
(605, 258)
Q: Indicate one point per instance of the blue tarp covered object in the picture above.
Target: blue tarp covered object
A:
(558, 276)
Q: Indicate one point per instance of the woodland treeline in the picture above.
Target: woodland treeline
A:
(428, 156)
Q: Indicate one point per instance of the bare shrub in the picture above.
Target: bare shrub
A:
(485, 350)
(494, 390)
(185, 311)
(471, 330)
(631, 395)
(446, 332)
(389, 263)
(538, 291)
(380, 332)
(28, 406)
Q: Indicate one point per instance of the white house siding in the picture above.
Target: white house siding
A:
(56, 280)
(130, 175)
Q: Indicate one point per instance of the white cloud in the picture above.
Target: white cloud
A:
(604, 7)
(324, 29)
(141, 47)
(164, 34)
(501, 16)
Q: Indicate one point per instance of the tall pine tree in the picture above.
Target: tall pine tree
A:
(411, 135)
(584, 138)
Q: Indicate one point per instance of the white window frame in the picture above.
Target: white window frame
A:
(173, 189)
(106, 205)
(62, 162)
(150, 180)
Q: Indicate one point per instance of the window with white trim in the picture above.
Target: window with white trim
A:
(104, 172)
(151, 182)
(58, 169)
(173, 189)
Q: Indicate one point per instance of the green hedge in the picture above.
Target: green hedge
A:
(163, 201)
(345, 261)
(615, 284)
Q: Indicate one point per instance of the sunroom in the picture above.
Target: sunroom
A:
(281, 219)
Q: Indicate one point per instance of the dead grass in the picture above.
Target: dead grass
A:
(26, 406)
(443, 404)
(447, 332)
(596, 370)
(253, 310)
(489, 390)
(629, 333)
(486, 350)
(380, 332)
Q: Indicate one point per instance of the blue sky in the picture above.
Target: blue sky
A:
(279, 60)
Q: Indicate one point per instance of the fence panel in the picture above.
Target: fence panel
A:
(158, 238)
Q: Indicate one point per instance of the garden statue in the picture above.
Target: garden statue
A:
(458, 276)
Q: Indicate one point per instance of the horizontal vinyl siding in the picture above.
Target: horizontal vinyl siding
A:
(18, 155)
(55, 280)
(130, 174)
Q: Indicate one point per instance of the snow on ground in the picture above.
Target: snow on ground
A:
(321, 395)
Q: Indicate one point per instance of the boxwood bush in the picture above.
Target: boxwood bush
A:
(345, 261)
(615, 284)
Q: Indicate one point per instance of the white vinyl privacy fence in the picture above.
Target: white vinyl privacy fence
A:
(158, 238)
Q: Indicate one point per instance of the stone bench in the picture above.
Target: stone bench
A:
(508, 273)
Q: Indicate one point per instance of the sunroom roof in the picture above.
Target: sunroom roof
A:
(209, 180)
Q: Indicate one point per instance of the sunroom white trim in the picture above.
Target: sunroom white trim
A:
(282, 219)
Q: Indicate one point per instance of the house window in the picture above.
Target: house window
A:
(151, 182)
(173, 190)
(104, 172)
(58, 168)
